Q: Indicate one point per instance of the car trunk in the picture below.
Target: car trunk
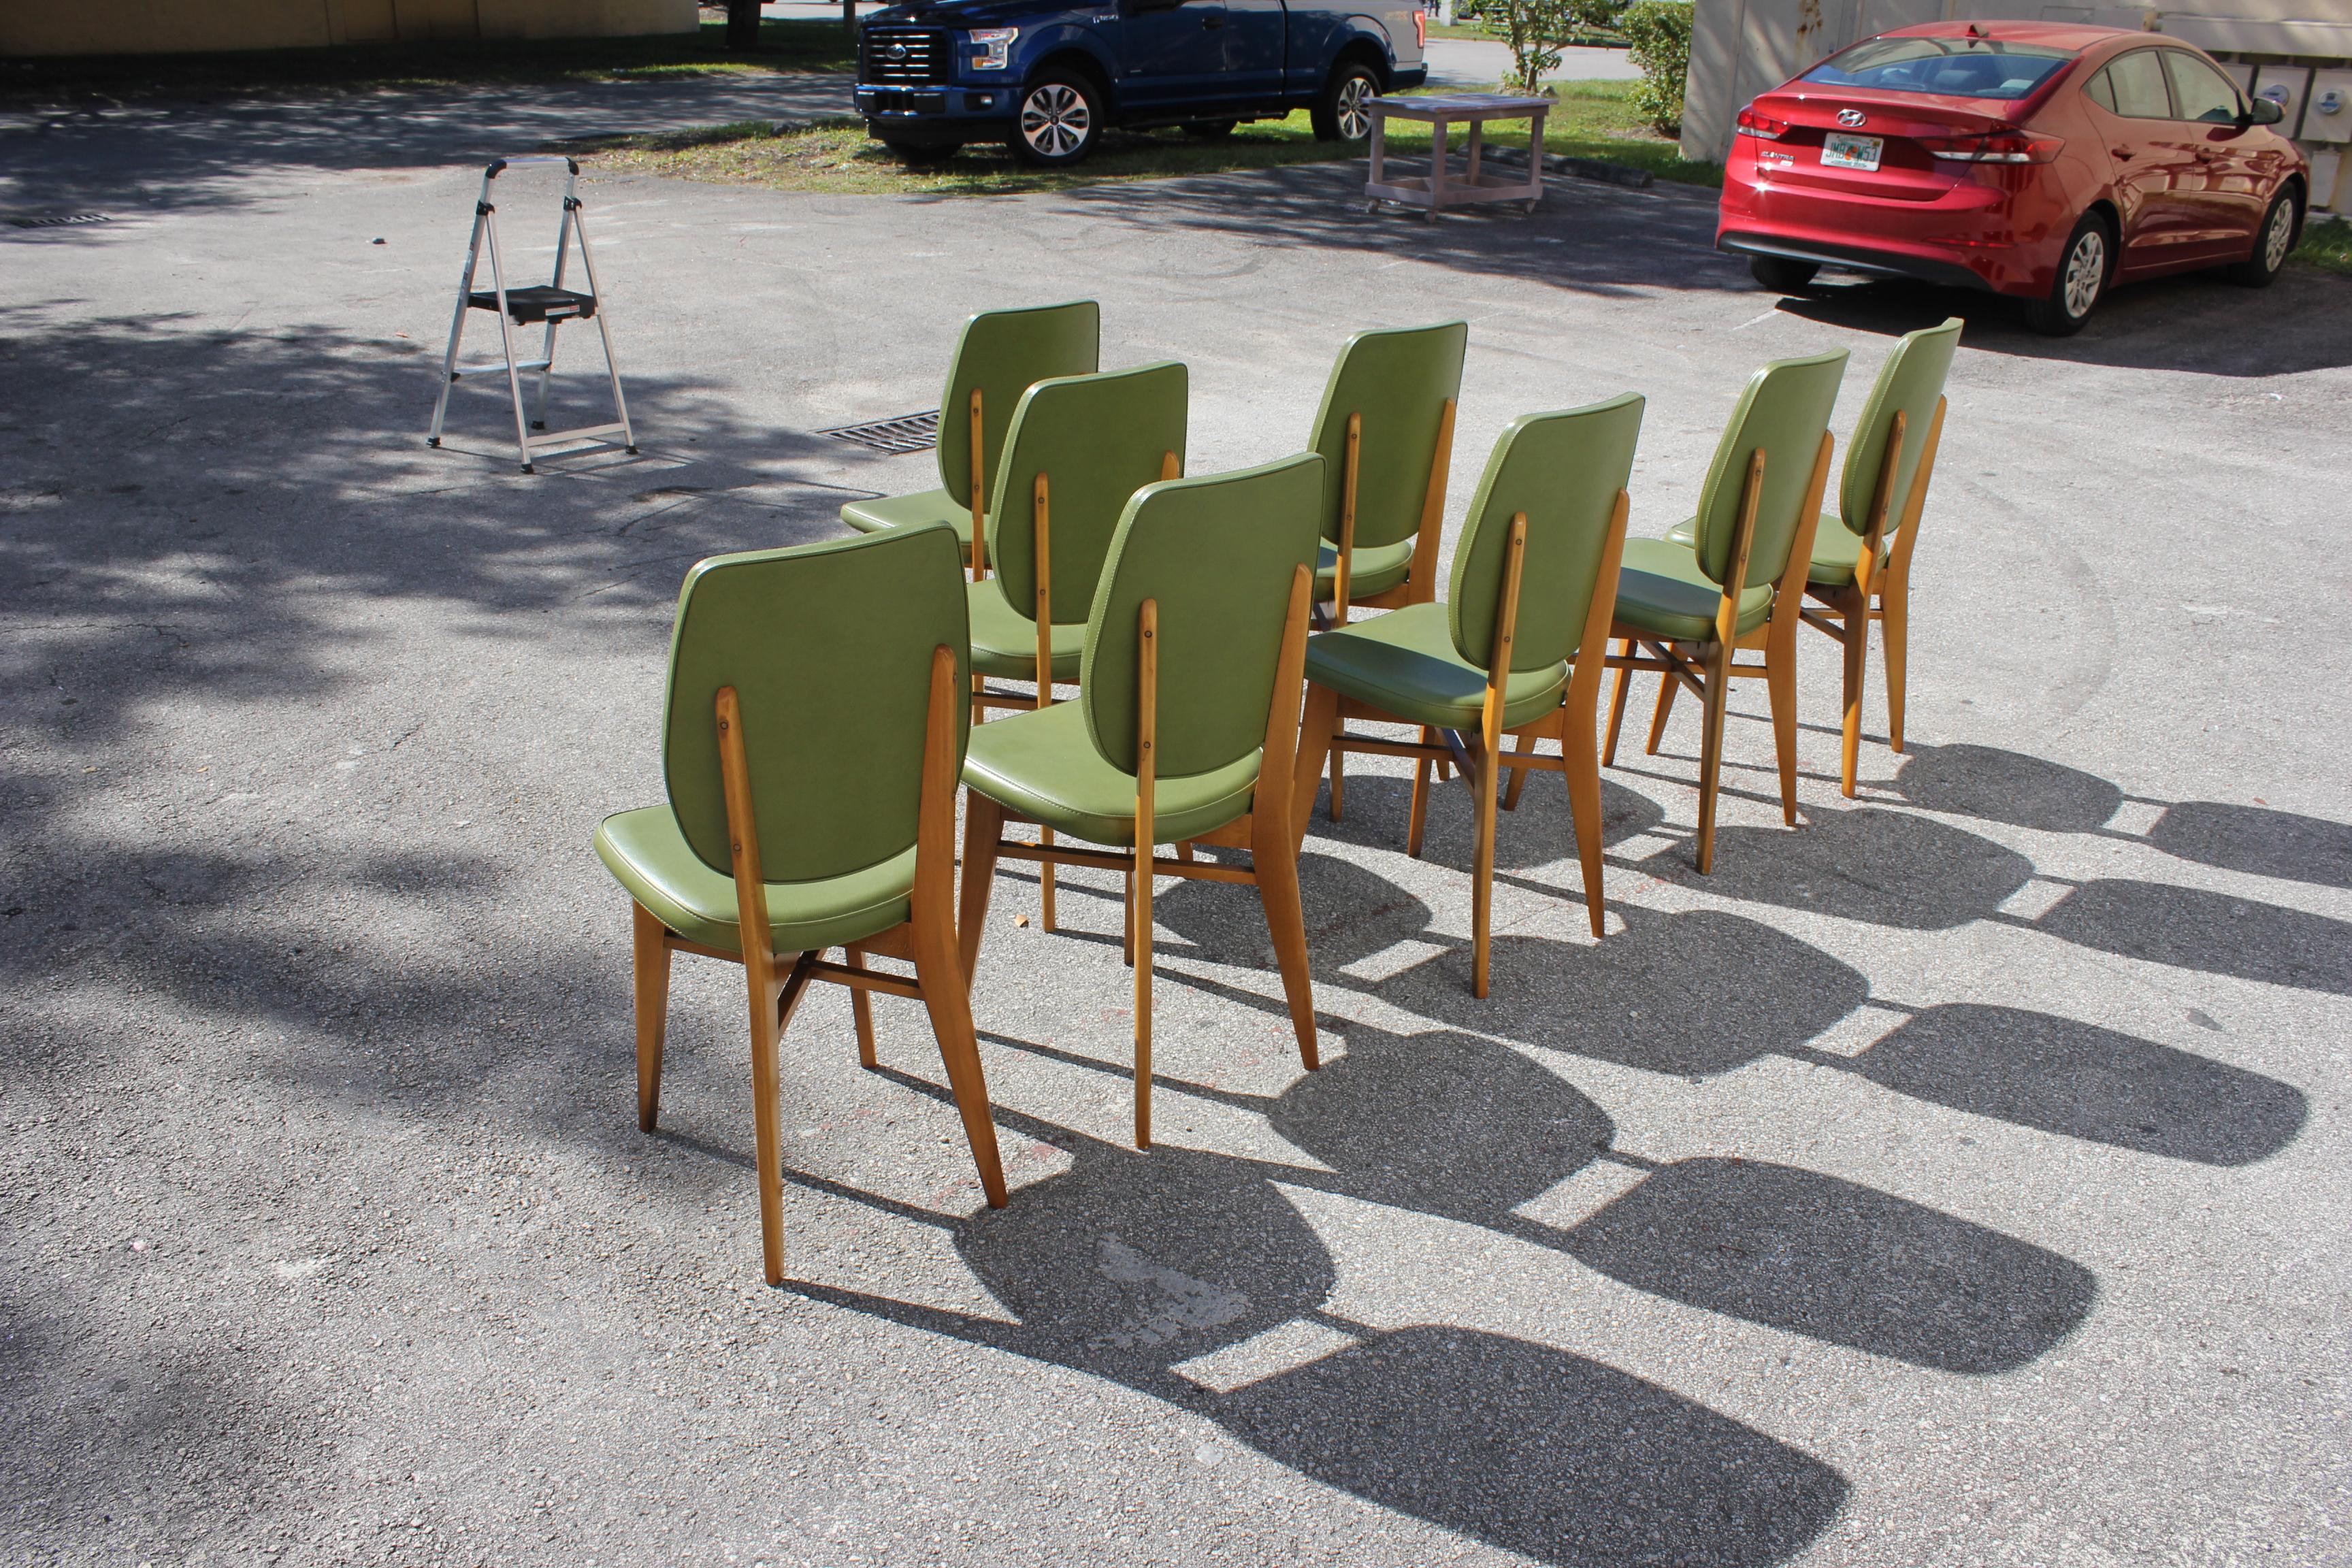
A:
(1905, 126)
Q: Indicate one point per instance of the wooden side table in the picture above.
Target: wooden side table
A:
(1441, 111)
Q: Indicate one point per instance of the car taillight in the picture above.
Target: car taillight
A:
(2001, 147)
(1754, 124)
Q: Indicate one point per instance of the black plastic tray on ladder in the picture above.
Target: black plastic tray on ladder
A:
(539, 304)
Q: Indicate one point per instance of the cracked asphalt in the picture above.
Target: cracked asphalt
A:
(1960, 1178)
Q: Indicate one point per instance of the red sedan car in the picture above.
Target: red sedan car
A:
(2032, 158)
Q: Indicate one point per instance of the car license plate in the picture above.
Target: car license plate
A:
(1841, 152)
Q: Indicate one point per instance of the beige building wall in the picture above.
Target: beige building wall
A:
(189, 26)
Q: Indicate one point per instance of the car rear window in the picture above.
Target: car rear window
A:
(1947, 67)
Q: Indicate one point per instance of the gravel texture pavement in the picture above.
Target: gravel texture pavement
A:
(1960, 1178)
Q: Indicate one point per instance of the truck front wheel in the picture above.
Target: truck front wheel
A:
(1341, 114)
(1060, 119)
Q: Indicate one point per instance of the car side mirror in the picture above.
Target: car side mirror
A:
(2263, 112)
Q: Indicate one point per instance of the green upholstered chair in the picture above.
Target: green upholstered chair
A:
(1741, 583)
(1535, 575)
(1861, 565)
(1078, 448)
(1184, 726)
(811, 739)
(1000, 355)
(1386, 434)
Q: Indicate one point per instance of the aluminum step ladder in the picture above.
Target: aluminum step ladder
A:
(551, 305)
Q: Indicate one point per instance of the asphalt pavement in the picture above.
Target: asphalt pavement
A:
(1957, 1179)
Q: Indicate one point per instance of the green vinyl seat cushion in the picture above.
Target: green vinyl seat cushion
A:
(1045, 765)
(652, 859)
(886, 513)
(1662, 591)
(1005, 641)
(1376, 569)
(1836, 552)
(1405, 663)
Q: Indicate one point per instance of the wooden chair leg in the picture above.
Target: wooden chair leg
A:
(1780, 689)
(1668, 689)
(1482, 869)
(983, 824)
(1338, 781)
(861, 1011)
(1855, 635)
(650, 977)
(1617, 703)
(1710, 750)
(1127, 920)
(1044, 883)
(770, 1019)
(1276, 864)
(1421, 770)
(1140, 945)
(1895, 606)
(1518, 776)
(947, 996)
(1184, 851)
(1316, 725)
(1583, 777)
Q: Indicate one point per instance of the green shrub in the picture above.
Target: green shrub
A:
(1661, 35)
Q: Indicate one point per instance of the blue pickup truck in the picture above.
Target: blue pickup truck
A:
(1046, 76)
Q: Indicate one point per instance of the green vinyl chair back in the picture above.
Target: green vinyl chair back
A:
(829, 647)
(1398, 380)
(1908, 384)
(1218, 553)
(1784, 410)
(1565, 471)
(1004, 354)
(1097, 439)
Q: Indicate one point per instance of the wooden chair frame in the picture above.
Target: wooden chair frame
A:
(1708, 667)
(1482, 758)
(1265, 831)
(1876, 595)
(1420, 584)
(927, 939)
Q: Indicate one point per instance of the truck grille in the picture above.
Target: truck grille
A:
(902, 55)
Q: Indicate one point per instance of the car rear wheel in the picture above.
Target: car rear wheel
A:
(2082, 282)
(1780, 274)
(2273, 243)
(1060, 119)
(1343, 113)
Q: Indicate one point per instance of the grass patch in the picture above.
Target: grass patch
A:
(2326, 246)
(783, 46)
(1591, 38)
(1594, 119)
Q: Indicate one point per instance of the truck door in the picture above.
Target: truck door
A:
(1173, 54)
(1254, 49)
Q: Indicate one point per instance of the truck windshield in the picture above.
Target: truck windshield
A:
(1947, 67)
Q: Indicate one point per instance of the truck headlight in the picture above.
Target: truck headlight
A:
(994, 44)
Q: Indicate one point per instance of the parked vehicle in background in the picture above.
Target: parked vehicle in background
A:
(1047, 76)
(2038, 160)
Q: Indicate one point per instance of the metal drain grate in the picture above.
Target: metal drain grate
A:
(60, 221)
(907, 433)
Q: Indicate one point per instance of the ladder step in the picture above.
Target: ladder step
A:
(495, 367)
(585, 433)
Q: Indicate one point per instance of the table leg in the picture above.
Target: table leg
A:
(1379, 148)
(1436, 165)
(1478, 146)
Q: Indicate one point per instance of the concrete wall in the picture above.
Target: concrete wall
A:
(189, 26)
(1742, 47)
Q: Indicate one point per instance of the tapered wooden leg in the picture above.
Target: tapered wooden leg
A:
(1184, 850)
(1583, 777)
(1710, 750)
(1894, 605)
(650, 974)
(983, 826)
(770, 1016)
(1046, 884)
(1667, 687)
(1139, 942)
(1285, 921)
(1522, 740)
(1421, 770)
(1617, 703)
(1316, 725)
(1856, 635)
(1127, 920)
(1780, 687)
(1339, 780)
(861, 1011)
(1481, 869)
(947, 998)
